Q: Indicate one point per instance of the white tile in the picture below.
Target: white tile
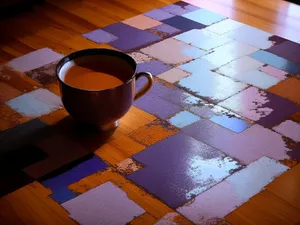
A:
(203, 39)
(173, 75)
(224, 26)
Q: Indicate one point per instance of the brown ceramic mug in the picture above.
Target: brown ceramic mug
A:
(102, 108)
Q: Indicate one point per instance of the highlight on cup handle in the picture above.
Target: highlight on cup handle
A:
(147, 86)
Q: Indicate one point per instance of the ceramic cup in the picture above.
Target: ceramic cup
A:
(102, 108)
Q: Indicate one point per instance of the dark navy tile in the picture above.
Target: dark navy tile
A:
(288, 50)
(183, 24)
(277, 40)
(179, 168)
(276, 61)
(62, 195)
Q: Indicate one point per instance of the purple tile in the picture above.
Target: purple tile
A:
(164, 30)
(247, 146)
(193, 168)
(100, 36)
(76, 173)
(288, 50)
(155, 67)
(276, 61)
(289, 129)
(45, 74)
(277, 40)
(62, 195)
(103, 205)
(158, 14)
(235, 124)
(179, 8)
(183, 24)
(265, 108)
(214, 204)
(129, 37)
(294, 153)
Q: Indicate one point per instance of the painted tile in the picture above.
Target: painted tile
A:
(211, 86)
(173, 51)
(141, 22)
(86, 167)
(289, 88)
(140, 57)
(263, 107)
(288, 50)
(158, 14)
(8, 92)
(179, 8)
(153, 132)
(44, 75)
(164, 30)
(276, 61)
(173, 75)
(183, 23)
(129, 37)
(36, 103)
(99, 206)
(34, 60)
(238, 66)
(166, 179)
(128, 166)
(100, 36)
(197, 66)
(173, 218)
(228, 52)
(204, 16)
(183, 119)
(251, 36)
(203, 39)
(224, 26)
(289, 129)
(211, 206)
(274, 72)
(62, 195)
(257, 78)
(155, 67)
(247, 146)
(235, 124)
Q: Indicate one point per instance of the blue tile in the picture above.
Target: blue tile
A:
(183, 119)
(62, 195)
(276, 61)
(235, 124)
(183, 23)
(204, 16)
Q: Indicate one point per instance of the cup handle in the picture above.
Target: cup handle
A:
(147, 87)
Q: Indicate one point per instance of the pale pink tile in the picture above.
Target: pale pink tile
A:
(224, 26)
(140, 57)
(173, 51)
(212, 205)
(289, 129)
(142, 22)
(173, 75)
(34, 60)
(279, 74)
(105, 204)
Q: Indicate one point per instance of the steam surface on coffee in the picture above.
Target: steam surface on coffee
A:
(96, 72)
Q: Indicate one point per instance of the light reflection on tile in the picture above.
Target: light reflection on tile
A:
(224, 26)
(183, 119)
(99, 206)
(173, 75)
(191, 171)
(235, 124)
(141, 22)
(204, 16)
(235, 190)
(272, 71)
(196, 66)
(173, 51)
(289, 129)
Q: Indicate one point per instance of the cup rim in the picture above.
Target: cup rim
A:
(95, 51)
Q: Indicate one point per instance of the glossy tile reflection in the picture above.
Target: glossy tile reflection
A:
(183, 119)
(204, 16)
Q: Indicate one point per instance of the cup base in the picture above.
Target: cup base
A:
(109, 126)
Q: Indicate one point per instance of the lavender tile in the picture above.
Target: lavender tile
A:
(164, 30)
(45, 74)
(179, 8)
(194, 168)
(183, 23)
(172, 51)
(62, 195)
(99, 206)
(36, 103)
(197, 66)
(214, 204)
(141, 22)
(204, 16)
(235, 124)
(274, 72)
(211, 86)
(288, 50)
(100, 36)
(251, 36)
(183, 119)
(276, 61)
(155, 67)
(173, 75)
(289, 129)
(247, 146)
(158, 14)
(129, 37)
(264, 107)
(34, 60)
(224, 26)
